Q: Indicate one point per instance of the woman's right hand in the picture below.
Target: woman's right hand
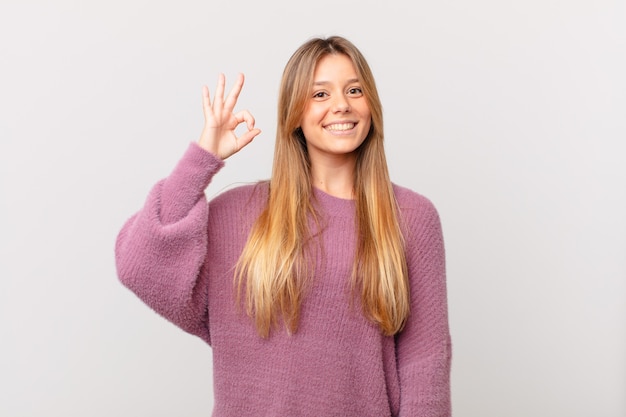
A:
(218, 135)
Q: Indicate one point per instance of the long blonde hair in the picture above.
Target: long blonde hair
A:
(275, 263)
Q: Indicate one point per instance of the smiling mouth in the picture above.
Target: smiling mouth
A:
(340, 127)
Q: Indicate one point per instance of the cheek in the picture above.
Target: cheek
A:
(313, 115)
(368, 124)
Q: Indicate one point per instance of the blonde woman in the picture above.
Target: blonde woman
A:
(321, 291)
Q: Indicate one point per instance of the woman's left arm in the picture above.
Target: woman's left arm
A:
(423, 347)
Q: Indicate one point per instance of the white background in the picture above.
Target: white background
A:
(508, 115)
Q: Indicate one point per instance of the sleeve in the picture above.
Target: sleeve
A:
(424, 345)
(160, 250)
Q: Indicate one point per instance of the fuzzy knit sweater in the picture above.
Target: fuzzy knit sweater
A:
(178, 255)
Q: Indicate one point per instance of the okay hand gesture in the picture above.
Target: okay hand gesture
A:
(218, 135)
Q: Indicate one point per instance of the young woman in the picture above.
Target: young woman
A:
(321, 291)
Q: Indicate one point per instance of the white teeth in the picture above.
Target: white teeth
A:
(340, 126)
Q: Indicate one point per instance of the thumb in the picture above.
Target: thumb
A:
(247, 137)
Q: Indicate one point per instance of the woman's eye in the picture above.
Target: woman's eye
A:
(355, 91)
(319, 94)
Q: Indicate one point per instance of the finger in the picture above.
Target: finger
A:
(206, 98)
(233, 96)
(247, 137)
(218, 100)
(245, 116)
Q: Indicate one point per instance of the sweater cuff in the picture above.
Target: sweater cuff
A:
(187, 182)
(195, 170)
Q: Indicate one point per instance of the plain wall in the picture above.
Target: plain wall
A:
(509, 116)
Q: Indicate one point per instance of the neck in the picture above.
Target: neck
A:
(334, 176)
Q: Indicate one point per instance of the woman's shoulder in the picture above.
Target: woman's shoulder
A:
(411, 201)
(246, 195)
(418, 214)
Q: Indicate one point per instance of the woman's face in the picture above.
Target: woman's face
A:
(336, 119)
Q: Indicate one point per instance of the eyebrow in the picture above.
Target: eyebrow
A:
(350, 81)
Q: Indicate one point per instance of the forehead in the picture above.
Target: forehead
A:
(334, 67)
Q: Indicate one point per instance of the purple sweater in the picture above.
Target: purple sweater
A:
(178, 255)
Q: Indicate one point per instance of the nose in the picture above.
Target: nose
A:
(341, 104)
